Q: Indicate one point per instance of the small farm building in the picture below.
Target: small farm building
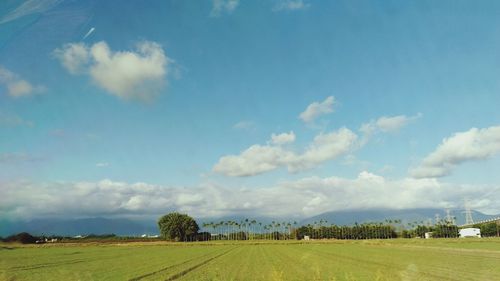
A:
(470, 232)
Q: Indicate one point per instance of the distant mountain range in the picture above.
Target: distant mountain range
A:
(405, 215)
(121, 226)
(73, 227)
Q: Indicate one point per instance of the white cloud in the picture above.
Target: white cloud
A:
(474, 144)
(290, 5)
(30, 7)
(325, 147)
(223, 6)
(125, 74)
(283, 138)
(300, 198)
(74, 57)
(102, 164)
(16, 86)
(259, 159)
(255, 160)
(316, 109)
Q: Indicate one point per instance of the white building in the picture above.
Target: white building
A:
(469, 232)
(428, 235)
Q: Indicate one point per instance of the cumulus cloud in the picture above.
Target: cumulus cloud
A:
(259, 159)
(325, 147)
(290, 5)
(223, 6)
(30, 7)
(256, 159)
(74, 57)
(283, 138)
(139, 74)
(316, 109)
(16, 86)
(471, 145)
(300, 198)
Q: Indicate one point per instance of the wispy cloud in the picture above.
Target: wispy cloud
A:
(245, 125)
(88, 33)
(472, 145)
(102, 164)
(139, 74)
(386, 124)
(16, 86)
(12, 120)
(290, 5)
(223, 6)
(316, 109)
(15, 158)
(30, 7)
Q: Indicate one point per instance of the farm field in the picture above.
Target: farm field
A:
(398, 259)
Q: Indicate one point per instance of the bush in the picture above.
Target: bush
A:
(23, 237)
(489, 229)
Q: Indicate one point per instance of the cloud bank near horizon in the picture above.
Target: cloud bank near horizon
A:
(300, 198)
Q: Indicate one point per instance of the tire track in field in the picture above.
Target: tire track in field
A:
(487, 254)
(194, 267)
(171, 266)
(42, 265)
(363, 263)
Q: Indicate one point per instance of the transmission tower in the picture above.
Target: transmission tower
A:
(449, 218)
(437, 218)
(468, 213)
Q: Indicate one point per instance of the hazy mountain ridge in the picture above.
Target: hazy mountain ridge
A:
(405, 215)
(72, 227)
(122, 226)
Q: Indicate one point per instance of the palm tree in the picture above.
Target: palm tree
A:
(205, 225)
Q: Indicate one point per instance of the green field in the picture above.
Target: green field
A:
(398, 259)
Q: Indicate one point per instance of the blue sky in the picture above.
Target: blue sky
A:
(184, 96)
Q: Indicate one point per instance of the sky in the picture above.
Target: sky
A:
(284, 108)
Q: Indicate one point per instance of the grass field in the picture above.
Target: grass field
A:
(398, 259)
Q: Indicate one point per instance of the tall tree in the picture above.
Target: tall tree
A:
(178, 227)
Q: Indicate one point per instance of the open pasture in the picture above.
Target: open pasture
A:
(398, 259)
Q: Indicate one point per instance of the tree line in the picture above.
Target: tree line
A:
(181, 227)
